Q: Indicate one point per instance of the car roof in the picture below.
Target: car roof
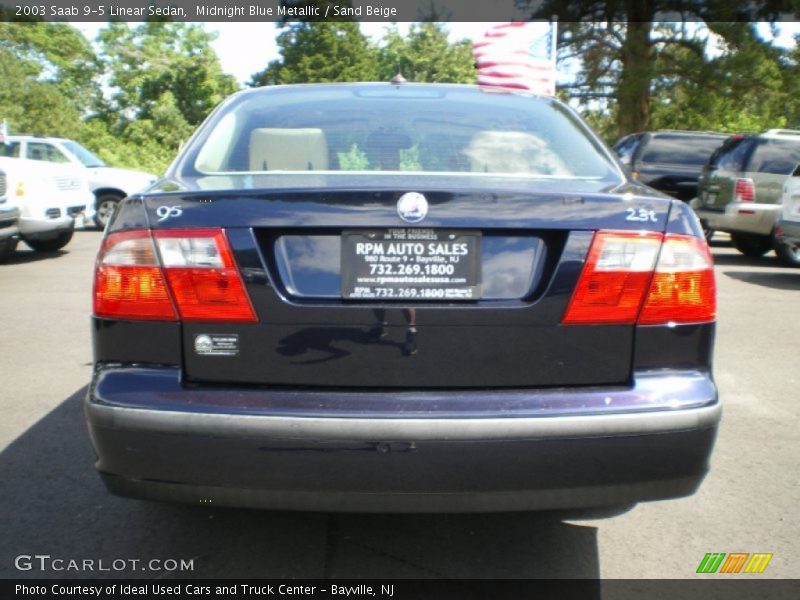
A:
(376, 85)
(791, 134)
(688, 133)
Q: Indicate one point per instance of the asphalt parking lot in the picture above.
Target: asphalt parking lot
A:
(53, 503)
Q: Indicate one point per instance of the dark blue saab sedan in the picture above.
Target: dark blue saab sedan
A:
(401, 297)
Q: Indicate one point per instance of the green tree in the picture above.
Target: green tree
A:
(145, 62)
(165, 78)
(55, 54)
(33, 106)
(619, 44)
(749, 90)
(326, 51)
(426, 55)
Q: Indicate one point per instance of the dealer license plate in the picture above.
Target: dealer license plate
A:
(411, 264)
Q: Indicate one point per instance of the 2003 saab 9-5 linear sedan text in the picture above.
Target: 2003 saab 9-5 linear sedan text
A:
(377, 297)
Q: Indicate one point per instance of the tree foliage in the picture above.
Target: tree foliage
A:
(425, 55)
(156, 58)
(132, 101)
(338, 51)
(320, 52)
(625, 52)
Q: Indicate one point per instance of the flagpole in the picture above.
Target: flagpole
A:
(554, 49)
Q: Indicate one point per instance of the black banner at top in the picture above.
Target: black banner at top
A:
(389, 11)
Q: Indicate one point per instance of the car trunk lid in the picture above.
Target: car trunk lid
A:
(529, 249)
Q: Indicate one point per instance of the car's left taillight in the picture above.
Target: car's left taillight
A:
(171, 275)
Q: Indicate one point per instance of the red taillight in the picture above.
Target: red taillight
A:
(614, 279)
(202, 275)
(194, 268)
(683, 288)
(644, 278)
(745, 190)
(128, 282)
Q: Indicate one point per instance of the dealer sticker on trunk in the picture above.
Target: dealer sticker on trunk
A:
(216, 344)
(411, 264)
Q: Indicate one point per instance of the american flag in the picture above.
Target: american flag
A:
(519, 55)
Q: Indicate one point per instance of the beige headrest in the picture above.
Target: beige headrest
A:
(288, 150)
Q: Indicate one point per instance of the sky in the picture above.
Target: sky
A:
(246, 48)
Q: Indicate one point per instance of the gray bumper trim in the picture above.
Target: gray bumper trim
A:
(615, 495)
(400, 429)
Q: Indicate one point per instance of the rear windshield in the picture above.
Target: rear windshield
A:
(681, 150)
(730, 156)
(778, 157)
(308, 131)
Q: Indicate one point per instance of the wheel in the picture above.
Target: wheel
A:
(7, 248)
(751, 245)
(106, 205)
(51, 245)
(788, 255)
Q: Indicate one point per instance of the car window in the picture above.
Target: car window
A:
(44, 151)
(731, 155)
(625, 149)
(10, 149)
(680, 149)
(778, 157)
(454, 133)
(86, 157)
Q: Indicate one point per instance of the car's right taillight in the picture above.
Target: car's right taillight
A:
(745, 190)
(644, 278)
(684, 289)
(186, 274)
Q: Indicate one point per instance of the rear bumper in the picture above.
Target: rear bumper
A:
(410, 452)
(31, 227)
(741, 217)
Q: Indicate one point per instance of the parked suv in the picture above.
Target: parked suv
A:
(740, 188)
(669, 161)
(108, 184)
(787, 231)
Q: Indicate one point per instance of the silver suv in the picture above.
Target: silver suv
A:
(739, 190)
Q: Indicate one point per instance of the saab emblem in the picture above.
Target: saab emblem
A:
(412, 207)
